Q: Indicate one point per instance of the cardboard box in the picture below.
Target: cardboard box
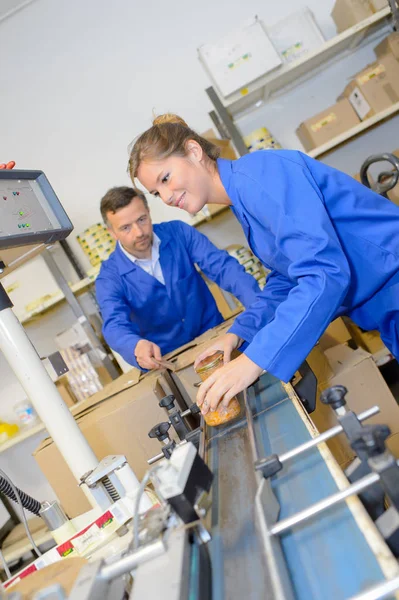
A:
(226, 147)
(118, 425)
(368, 340)
(389, 45)
(336, 333)
(357, 371)
(347, 13)
(327, 124)
(375, 88)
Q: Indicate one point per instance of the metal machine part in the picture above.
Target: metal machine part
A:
(176, 420)
(387, 179)
(53, 515)
(181, 480)
(372, 498)
(111, 480)
(274, 463)
(55, 365)
(176, 417)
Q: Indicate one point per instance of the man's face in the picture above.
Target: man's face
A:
(132, 227)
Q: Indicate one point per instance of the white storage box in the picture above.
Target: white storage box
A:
(240, 57)
(296, 35)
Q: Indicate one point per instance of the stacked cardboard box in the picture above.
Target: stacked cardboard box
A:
(347, 13)
(374, 88)
(326, 125)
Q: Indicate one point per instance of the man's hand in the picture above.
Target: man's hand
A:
(148, 355)
(9, 165)
(227, 382)
(226, 343)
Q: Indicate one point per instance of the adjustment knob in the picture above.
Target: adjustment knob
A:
(334, 396)
(167, 402)
(160, 431)
(194, 409)
(372, 439)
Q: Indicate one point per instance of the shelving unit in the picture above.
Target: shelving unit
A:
(258, 92)
(265, 87)
(76, 288)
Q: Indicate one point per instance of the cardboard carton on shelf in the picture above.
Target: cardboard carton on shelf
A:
(326, 125)
(389, 45)
(375, 88)
(347, 13)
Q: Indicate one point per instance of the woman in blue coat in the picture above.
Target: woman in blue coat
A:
(331, 243)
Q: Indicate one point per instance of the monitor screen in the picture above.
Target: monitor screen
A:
(30, 211)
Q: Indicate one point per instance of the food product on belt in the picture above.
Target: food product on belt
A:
(222, 414)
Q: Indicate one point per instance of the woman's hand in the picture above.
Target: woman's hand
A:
(226, 343)
(227, 382)
(9, 165)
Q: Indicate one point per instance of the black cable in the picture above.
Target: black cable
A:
(15, 491)
(27, 501)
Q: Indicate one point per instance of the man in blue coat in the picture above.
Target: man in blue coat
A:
(151, 296)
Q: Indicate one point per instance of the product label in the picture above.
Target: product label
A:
(365, 77)
(359, 103)
(323, 122)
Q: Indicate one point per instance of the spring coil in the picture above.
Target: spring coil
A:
(27, 501)
(110, 489)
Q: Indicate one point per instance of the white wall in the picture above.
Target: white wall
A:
(79, 80)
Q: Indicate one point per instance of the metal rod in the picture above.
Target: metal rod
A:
(228, 122)
(154, 459)
(133, 560)
(379, 591)
(79, 314)
(374, 410)
(318, 507)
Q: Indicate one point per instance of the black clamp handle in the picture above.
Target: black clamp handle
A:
(372, 440)
(160, 431)
(334, 396)
(167, 402)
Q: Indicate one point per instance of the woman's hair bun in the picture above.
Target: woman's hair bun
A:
(169, 118)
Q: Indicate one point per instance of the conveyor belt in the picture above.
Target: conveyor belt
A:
(327, 558)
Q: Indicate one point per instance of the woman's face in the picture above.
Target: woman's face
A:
(185, 182)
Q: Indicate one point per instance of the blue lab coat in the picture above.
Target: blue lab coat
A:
(134, 305)
(332, 246)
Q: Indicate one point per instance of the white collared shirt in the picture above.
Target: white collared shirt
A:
(152, 265)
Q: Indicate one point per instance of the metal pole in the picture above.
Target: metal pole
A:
(318, 507)
(379, 591)
(80, 314)
(131, 561)
(40, 389)
(323, 437)
(228, 122)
